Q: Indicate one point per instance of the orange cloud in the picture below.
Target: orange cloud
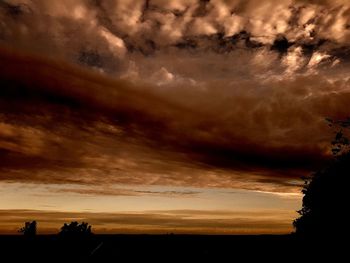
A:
(78, 126)
(176, 221)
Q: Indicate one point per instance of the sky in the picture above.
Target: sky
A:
(159, 116)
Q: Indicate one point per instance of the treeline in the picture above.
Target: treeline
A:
(73, 229)
(324, 211)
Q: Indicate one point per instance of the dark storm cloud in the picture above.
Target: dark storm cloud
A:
(101, 33)
(227, 93)
(64, 124)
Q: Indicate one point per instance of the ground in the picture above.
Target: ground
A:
(161, 248)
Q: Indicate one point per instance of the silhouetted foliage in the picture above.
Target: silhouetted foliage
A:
(324, 209)
(29, 229)
(340, 143)
(74, 229)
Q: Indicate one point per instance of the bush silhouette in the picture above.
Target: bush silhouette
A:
(29, 229)
(324, 210)
(74, 229)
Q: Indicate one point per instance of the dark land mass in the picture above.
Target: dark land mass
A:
(169, 248)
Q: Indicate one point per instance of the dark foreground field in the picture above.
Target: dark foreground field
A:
(165, 248)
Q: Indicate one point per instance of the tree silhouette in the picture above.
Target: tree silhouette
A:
(324, 208)
(341, 143)
(29, 229)
(74, 229)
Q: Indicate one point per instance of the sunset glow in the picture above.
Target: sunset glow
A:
(186, 116)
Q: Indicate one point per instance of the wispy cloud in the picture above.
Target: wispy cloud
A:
(112, 191)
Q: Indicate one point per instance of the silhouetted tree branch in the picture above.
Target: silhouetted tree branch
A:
(324, 208)
(29, 229)
(340, 143)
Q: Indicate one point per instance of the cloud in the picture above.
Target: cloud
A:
(112, 191)
(218, 93)
(186, 221)
(113, 28)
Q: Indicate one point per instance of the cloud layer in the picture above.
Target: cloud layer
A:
(192, 93)
(156, 222)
